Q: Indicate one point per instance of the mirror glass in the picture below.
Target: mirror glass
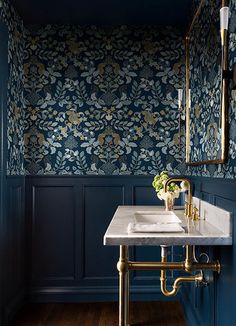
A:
(206, 91)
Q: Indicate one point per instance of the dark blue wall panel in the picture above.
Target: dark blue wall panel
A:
(14, 263)
(100, 204)
(215, 305)
(53, 233)
(68, 217)
(15, 235)
(143, 195)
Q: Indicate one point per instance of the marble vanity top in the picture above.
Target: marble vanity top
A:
(199, 232)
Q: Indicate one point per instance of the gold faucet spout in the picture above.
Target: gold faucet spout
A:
(188, 184)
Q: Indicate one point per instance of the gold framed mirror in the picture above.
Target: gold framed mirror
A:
(206, 87)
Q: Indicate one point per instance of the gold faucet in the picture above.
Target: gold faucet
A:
(189, 204)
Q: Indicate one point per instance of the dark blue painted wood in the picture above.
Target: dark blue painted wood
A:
(14, 266)
(214, 306)
(95, 201)
(67, 217)
(100, 204)
(53, 234)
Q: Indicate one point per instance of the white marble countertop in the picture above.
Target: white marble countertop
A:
(196, 232)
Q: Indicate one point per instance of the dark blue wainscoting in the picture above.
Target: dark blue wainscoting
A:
(215, 305)
(67, 217)
(14, 248)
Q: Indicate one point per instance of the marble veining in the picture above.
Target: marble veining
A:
(196, 232)
(217, 216)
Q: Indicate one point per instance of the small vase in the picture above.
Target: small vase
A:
(169, 204)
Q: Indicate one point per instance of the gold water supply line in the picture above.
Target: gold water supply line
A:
(177, 282)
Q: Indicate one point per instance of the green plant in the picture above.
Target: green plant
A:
(158, 185)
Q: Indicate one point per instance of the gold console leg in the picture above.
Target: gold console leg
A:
(127, 298)
(122, 267)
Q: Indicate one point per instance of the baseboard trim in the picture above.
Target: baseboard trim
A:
(95, 294)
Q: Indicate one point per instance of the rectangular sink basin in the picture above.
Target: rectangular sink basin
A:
(156, 217)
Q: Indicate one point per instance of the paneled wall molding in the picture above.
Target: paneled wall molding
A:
(67, 218)
(96, 199)
(216, 187)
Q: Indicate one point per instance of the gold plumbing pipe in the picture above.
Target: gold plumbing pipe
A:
(174, 266)
(188, 265)
(156, 266)
(191, 265)
(188, 258)
(177, 282)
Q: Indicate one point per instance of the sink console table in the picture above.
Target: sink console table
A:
(196, 233)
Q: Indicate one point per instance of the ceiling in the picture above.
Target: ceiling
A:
(152, 12)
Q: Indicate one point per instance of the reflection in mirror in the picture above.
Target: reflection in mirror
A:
(206, 90)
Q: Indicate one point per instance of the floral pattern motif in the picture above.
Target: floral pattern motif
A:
(107, 106)
(15, 130)
(102, 100)
(227, 170)
(205, 84)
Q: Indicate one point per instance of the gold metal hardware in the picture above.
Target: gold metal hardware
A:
(188, 265)
(122, 267)
(223, 36)
(224, 94)
(195, 214)
(186, 209)
(173, 266)
(182, 279)
(188, 205)
(152, 266)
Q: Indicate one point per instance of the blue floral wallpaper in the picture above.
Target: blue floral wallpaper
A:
(98, 100)
(15, 133)
(102, 100)
(205, 84)
(227, 170)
